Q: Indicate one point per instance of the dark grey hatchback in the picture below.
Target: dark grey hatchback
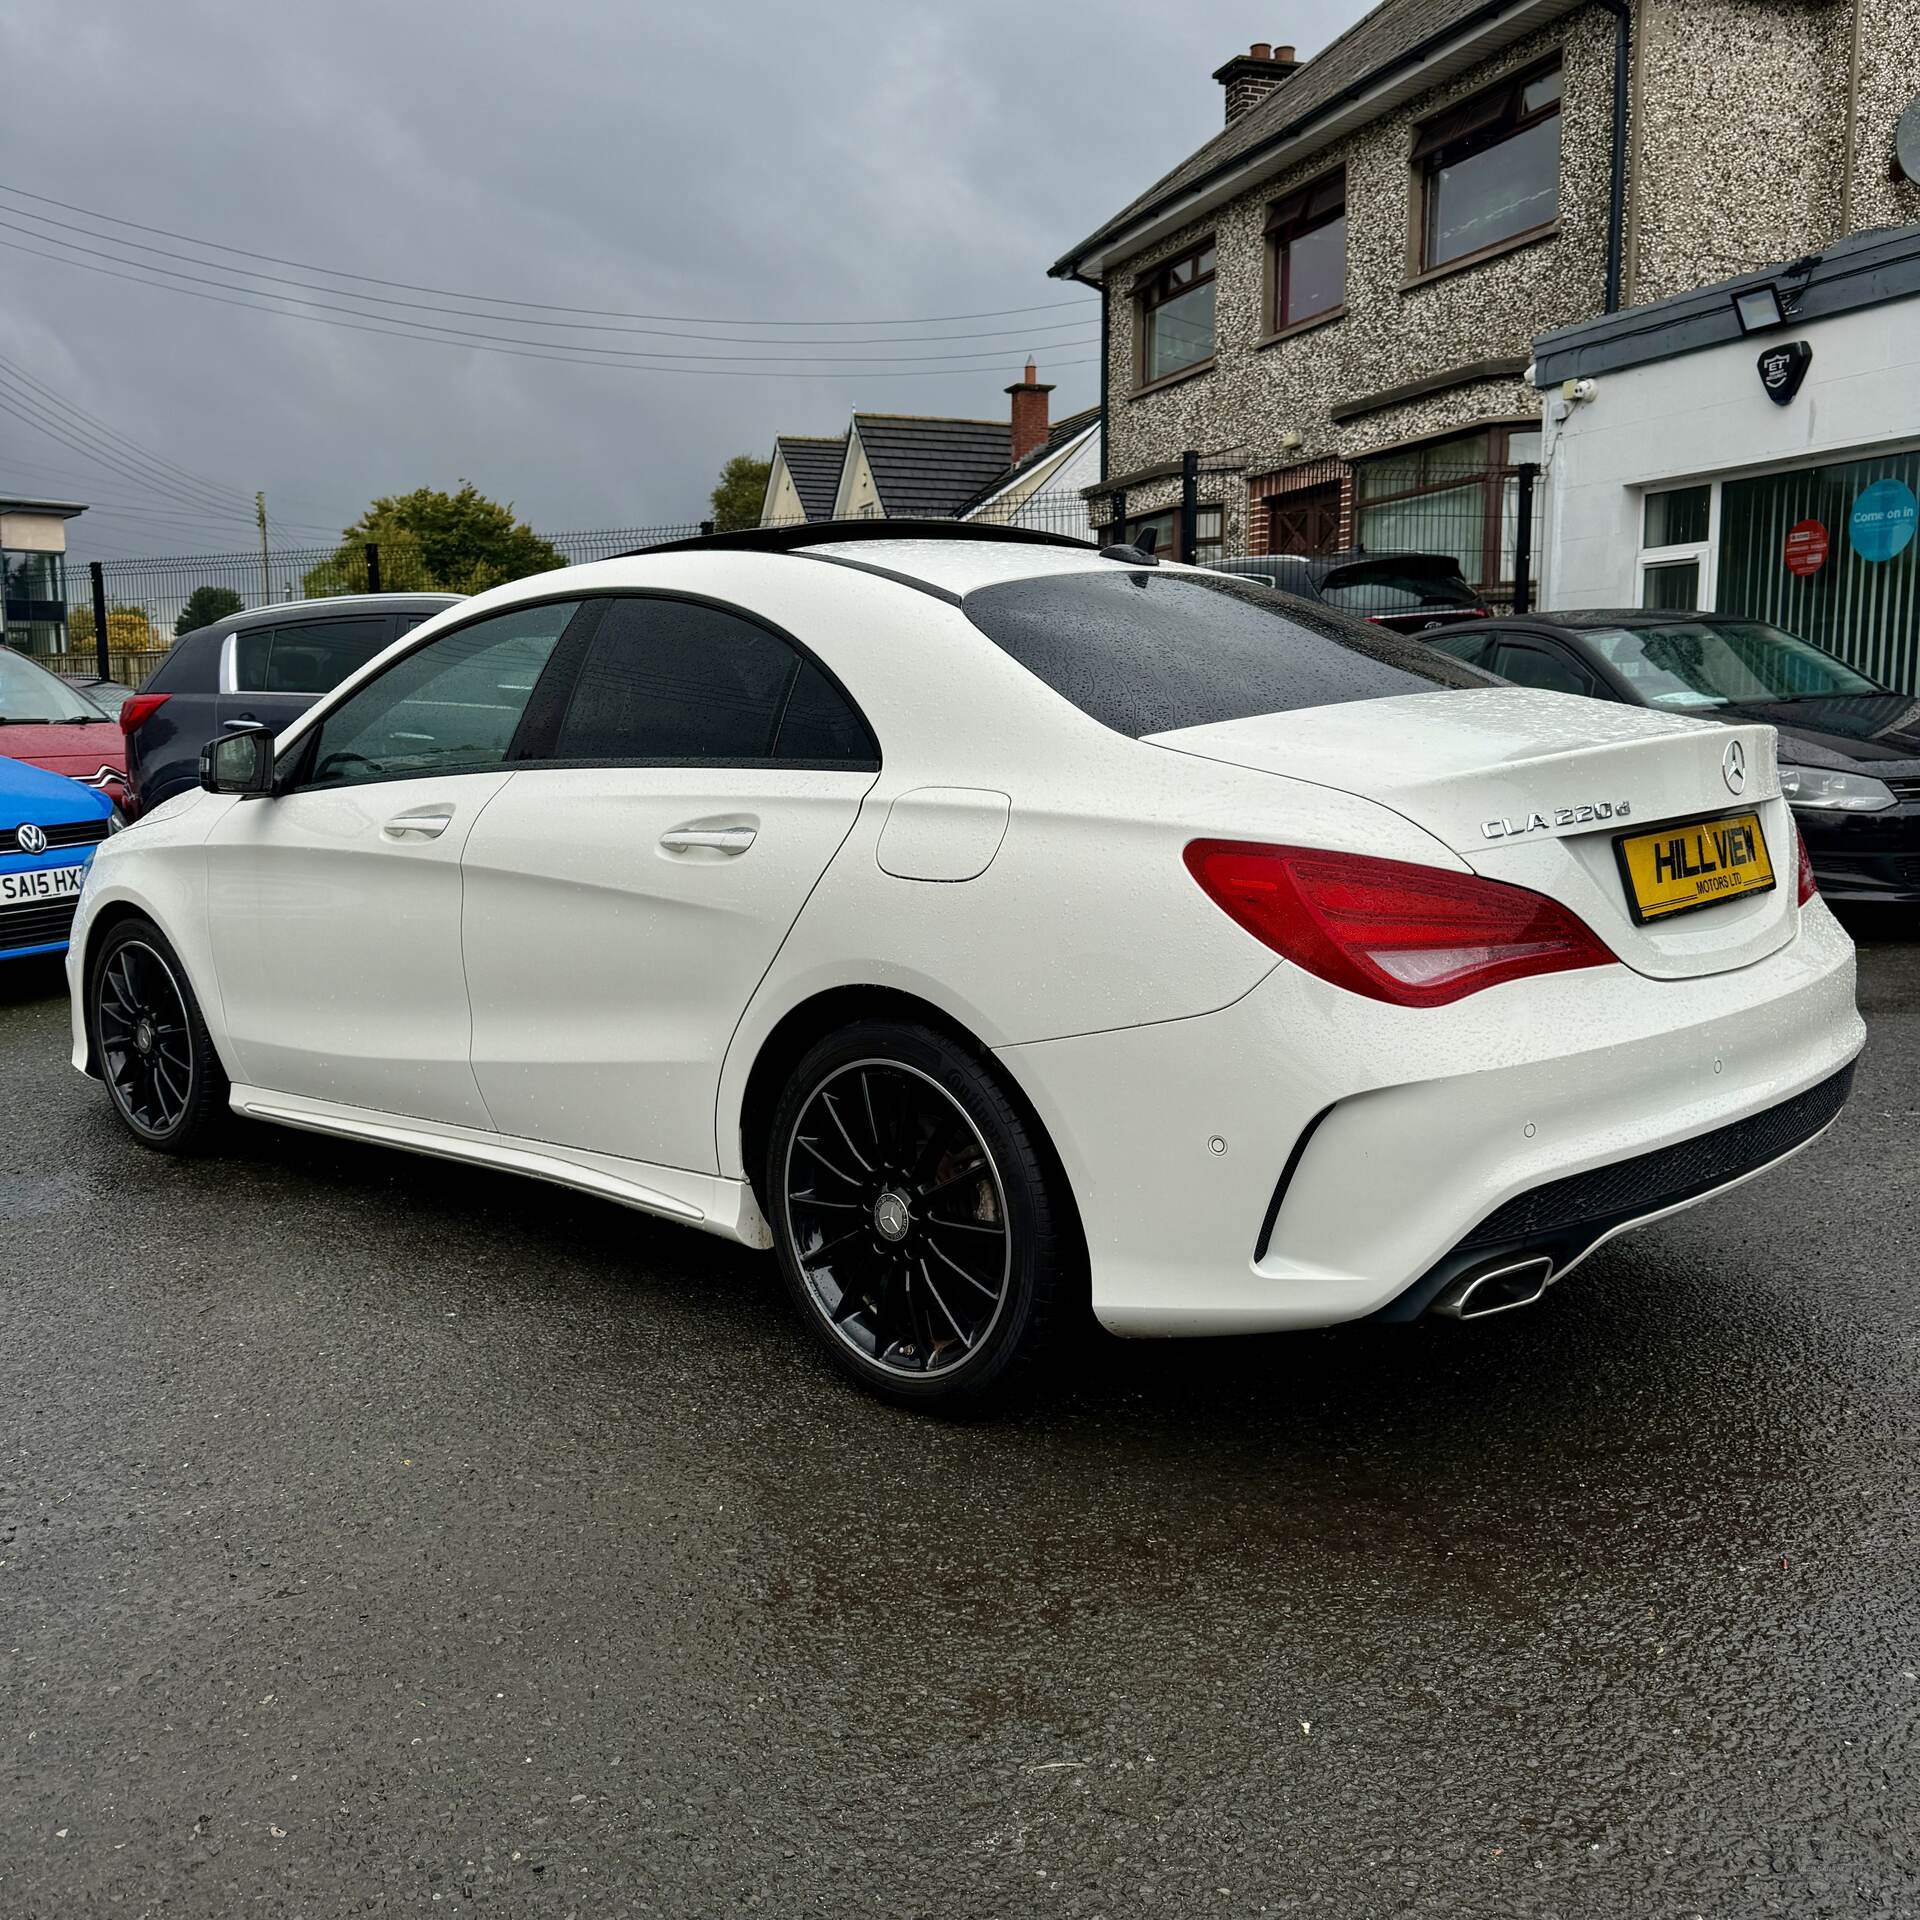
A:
(265, 666)
(1849, 747)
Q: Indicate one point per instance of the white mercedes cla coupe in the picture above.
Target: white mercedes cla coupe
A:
(990, 925)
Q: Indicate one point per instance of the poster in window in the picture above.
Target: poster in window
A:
(1883, 521)
(1808, 545)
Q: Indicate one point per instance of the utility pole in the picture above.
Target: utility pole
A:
(266, 583)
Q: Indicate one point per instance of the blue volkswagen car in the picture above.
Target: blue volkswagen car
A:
(49, 827)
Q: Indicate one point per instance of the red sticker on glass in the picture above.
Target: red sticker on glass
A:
(1807, 546)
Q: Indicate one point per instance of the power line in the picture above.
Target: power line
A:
(734, 370)
(122, 510)
(180, 507)
(49, 425)
(538, 306)
(1001, 334)
(133, 446)
(96, 501)
(82, 440)
(467, 333)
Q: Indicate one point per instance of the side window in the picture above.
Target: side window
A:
(1462, 646)
(1536, 667)
(312, 656)
(671, 680)
(449, 707)
(819, 725)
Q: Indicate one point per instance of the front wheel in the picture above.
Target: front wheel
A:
(917, 1219)
(152, 1047)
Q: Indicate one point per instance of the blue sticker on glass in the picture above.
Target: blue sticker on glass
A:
(1884, 520)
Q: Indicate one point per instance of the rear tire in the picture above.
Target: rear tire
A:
(919, 1224)
(162, 1075)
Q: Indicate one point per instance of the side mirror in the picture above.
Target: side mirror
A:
(238, 762)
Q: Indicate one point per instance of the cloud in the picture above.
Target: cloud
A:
(846, 160)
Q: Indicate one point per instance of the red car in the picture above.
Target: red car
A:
(50, 724)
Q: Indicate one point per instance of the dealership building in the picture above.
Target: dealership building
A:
(1751, 447)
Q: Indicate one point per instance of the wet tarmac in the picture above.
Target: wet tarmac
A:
(378, 1536)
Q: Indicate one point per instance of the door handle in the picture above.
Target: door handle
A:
(417, 826)
(720, 839)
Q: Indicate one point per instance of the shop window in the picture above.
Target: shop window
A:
(1490, 168)
(1176, 315)
(1676, 557)
(1671, 586)
(1677, 518)
(1831, 554)
(1307, 254)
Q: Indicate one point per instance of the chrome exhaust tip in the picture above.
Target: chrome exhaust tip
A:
(1497, 1290)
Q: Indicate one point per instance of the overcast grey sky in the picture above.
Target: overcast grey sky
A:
(751, 162)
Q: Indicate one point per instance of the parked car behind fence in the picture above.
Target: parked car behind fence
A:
(265, 667)
(1410, 591)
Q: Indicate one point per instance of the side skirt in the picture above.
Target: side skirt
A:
(703, 1200)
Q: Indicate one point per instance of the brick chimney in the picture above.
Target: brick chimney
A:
(1028, 429)
(1249, 77)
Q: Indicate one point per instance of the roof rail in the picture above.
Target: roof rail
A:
(830, 532)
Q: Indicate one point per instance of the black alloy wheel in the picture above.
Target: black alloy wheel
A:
(915, 1218)
(149, 1042)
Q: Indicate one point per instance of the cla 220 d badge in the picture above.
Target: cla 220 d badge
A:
(1559, 817)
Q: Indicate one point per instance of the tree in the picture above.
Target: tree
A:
(204, 606)
(428, 540)
(128, 631)
(742, 491)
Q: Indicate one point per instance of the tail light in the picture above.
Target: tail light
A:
(1809, 886)
(1410, 935)
(135, 713)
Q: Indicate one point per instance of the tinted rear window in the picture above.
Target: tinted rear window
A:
(192, 665)
(1405, 585)
(313, 656)
(1152, 652)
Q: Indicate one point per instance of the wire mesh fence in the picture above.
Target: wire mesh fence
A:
(1474, 517)
(151, 602)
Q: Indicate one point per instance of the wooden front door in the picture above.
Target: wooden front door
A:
(1305, 522)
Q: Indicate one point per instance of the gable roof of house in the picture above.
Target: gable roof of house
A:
(813, 462)
(1396, 35)
(1058, 435)
(927, 467)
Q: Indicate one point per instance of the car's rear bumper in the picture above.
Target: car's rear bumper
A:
(1548, 1230)
(1401, 1133)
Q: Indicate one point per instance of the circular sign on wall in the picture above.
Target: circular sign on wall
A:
(1884, 520)
(1807, 547)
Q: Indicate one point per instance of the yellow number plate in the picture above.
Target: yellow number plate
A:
(1697, 863)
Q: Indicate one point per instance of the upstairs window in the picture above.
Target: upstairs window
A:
(1490, 168)
(1176, 315)
(1307, 254)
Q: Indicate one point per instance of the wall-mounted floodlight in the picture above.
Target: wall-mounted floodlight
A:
(1771, 303)
(1759, 308)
